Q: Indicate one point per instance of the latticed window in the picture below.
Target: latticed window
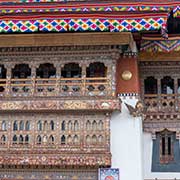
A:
(166, 139)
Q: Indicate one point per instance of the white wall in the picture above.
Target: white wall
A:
(147, 142)
(126, 143)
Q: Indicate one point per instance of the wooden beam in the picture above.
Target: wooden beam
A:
(65, 39)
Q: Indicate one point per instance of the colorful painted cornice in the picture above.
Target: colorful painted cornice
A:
(159, 45)
(81, 6)
(58, 22)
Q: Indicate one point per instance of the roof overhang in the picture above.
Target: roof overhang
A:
(66, 39)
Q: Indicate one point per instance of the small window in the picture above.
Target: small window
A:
(63, 126)
(52, 125)
(63, 139)
(166, 146)
(15, 126)
(39, 126)
(27, 126)
(14, 139)
(26, 139)
(3, 139)
(3, 126)
(39, 140)
(21, 126)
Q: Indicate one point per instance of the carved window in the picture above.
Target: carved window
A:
(45, 139)
(51, 139)
(21, 139)
(100, 125)
(94, 139)
(88, 139)
(94, 125)
(39, 126)
(76, 125)
(63, 126)
(21, 71)
(27, 139)
(71, 70)
(69, 139)
(150, 85)
(45, 126)
(88, 125)
(15, 126)
(39, 140)
(15, 139)
(100, 139)
(21, 125)
(70, 125)
(63, 139)
(27, 127)
(3, 126)
(166, 139)
(46, 70)
(3, 139)
(167, 85)
(52, 125)
(76, 139)
(96, 69)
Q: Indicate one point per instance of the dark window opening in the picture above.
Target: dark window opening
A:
(71, 70)
(150, 85)
(46, 70)
(96, 69)
(63, 139)
(21, 71)
(163, 146)
(3, 72)
(167, 85)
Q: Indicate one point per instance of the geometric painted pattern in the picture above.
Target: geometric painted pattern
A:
(28, 7)
(82, 24)
(160, 45)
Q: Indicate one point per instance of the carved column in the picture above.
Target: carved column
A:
(8, 67)
(33, 78)
(159, 92)
(176, 92)
(58, 76)
(83, 75)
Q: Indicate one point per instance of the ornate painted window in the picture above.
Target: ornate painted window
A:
(166, 146)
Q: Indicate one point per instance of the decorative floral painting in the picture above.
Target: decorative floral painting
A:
(108, 174)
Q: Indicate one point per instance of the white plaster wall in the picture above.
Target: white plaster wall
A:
(147, 146)
(126, 143)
